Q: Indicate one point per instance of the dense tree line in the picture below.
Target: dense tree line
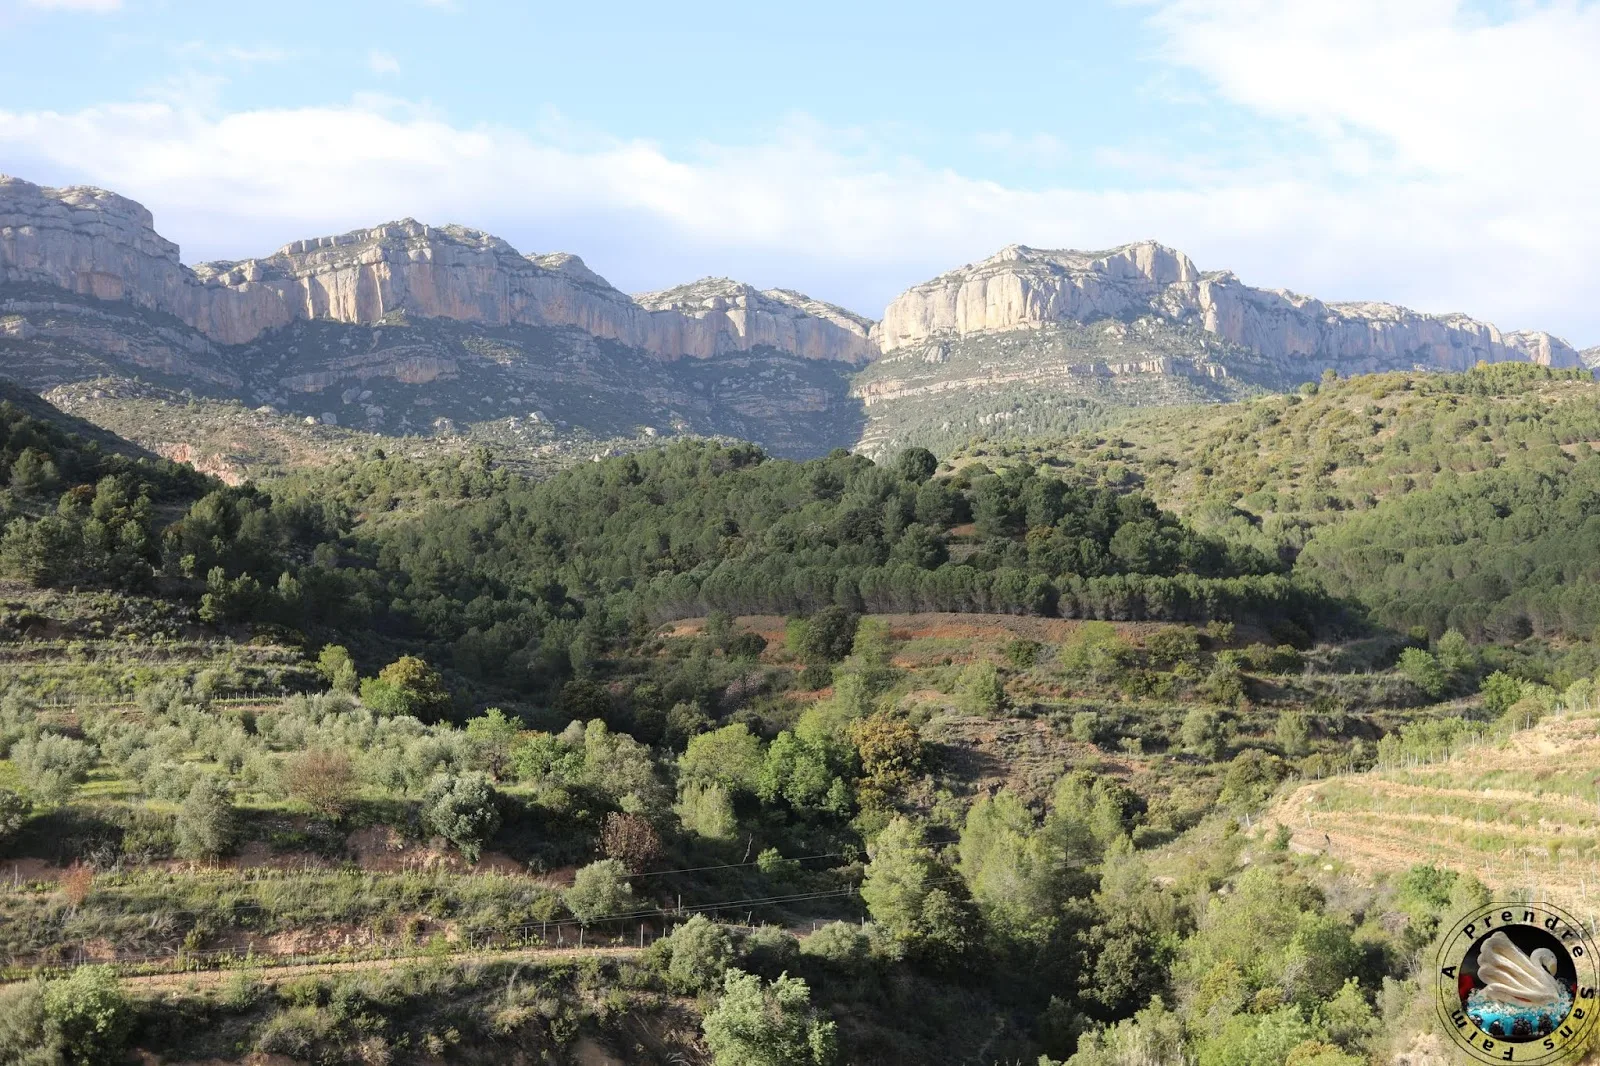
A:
(72, 511)
(525, 578)
(1500, 554)
(1437, 500)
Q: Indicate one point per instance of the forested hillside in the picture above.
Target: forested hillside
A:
(701, 756)
(510, 575)
(1459, 501)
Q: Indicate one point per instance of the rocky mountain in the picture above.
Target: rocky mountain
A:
(411, 329)
(1026, 288)
(96, 243)
(1031, 342)
(777, 318)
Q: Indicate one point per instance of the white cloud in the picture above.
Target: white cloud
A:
(382, 62)
(1044, 149)
(1490, 127)
(1424, 158)
(229, 53)
(99, 6)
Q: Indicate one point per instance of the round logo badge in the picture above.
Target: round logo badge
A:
(1516, 982)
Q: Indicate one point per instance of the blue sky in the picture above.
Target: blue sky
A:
(1435, 153)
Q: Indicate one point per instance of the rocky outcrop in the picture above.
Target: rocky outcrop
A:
(98, 244)
(67, 330)
(776, 318)
(225, 468)
(1021, 288)
(95, 243)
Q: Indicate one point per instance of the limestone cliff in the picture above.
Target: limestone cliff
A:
(779, 318)
(97, 243)
(1022, 288)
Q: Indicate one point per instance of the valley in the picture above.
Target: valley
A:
(412, 650)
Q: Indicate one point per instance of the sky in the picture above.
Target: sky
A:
(1440, 154)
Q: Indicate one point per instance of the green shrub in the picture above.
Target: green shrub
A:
(407, 686)
(825, 637)
(51, 764)
(699, 951)
(599, 891)
(463, 810)
(1251, 779)
(1293, 731)
(1424, 671)
(841, 944)
(746, 647)
(206, 824)
(91, 1013)
(1500, 690)
(768, 950)
(337, 668)
(756, 1024)
(1169, 647)
(1023, 654)
(1094, 652)
(772, 864)
(707, 811)
(14, 811)
(981, 690)
(28, 1034)
(1201, 732)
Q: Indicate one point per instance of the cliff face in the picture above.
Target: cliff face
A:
(1022, 288)
(96, 243)
(779, 318)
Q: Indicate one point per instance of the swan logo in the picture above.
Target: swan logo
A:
(1517, 983)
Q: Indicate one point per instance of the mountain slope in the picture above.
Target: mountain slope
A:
(1056, 378)
(1021, 287)
(407, 329)
(1435, 500)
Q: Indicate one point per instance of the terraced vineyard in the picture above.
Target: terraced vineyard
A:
(1522, 814)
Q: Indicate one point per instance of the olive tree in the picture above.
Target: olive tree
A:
(463, 810)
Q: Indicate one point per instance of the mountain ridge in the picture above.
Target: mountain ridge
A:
(408, 328)
(96, 243)
(1024, 287)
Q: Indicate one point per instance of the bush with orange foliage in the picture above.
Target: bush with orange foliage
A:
(323, 780)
